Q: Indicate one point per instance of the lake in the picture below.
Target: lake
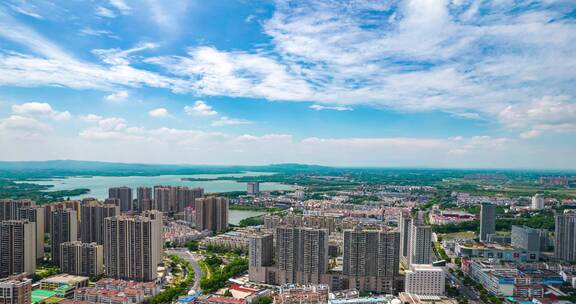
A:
(235, 216)
(99, 185)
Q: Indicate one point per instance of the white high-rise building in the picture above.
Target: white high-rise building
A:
(425, 280)
(537, 202)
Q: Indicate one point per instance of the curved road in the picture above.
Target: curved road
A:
(193, 260)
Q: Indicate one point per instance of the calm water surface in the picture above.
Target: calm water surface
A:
(99, 185)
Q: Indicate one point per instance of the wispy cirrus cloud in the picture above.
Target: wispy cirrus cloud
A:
(334, 108)
(227, 121)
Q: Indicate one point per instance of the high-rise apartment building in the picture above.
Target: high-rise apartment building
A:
(565, 237)
(10, 209)
(425, 280)
(261, 255)
(16, 290)
(537, 202)
(35, 214)
(17, 247)
(64, 229)
(301, 255)
(175, 199)
(124, 194)
(144, 198)
(420, 249)
(487, 221)
(84, 259)
(405, 225)
(49, 208)
(92, 224)
(253, 188)
(212, 214)
(133, 246)
(371, 259)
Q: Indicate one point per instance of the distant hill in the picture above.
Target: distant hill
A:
(54, 168)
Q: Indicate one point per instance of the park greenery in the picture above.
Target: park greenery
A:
(217, 274)
(251, 221)
(538, 220)
(179, 285)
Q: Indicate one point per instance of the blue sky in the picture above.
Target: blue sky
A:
(432, 83)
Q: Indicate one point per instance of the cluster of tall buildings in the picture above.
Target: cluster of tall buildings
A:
(121, 233)
(168, 199)
(299, 255)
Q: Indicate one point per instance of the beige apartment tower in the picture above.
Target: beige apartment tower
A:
(92, 224)
(212, 214)
(371, 259)
(35, 214)
(301, 255)
(84, 259)
(17, 247)
(133, 247)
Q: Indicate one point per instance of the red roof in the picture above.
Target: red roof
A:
(226, 300)
(240, 288)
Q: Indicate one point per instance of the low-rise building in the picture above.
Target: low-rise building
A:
(495, 251)
(309, 294)
(503, 279)
(425, 280)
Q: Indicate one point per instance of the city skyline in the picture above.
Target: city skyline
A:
(463, 84)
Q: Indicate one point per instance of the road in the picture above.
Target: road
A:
(193, 260)
(468, 292)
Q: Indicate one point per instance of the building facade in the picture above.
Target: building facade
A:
(530, 239)
(64, 228)
(124, 194)
(16, 290)
(565, 237)
(132, 247)
(301, 255)
(487, 220)
(425, 280)
(420, 249)
(144, 198)
(261, 255)
(92, 224)
(371, 260)
(212, 214)
(83, 259)
(35, 214)
(17, 248)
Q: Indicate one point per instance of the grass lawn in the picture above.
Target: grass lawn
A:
(458, 235)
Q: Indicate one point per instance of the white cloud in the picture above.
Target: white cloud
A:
(118, 96)
(335, 108)
(91, 118)
(93, 32)
(160, 112)
(548, 114)
(32, 108)
(104, 12)
(122, 57)
(23, 123)
(200, 108)
(227, 121)
(120, 5)
(40, 109)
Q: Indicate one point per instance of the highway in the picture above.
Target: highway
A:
(193, 260)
